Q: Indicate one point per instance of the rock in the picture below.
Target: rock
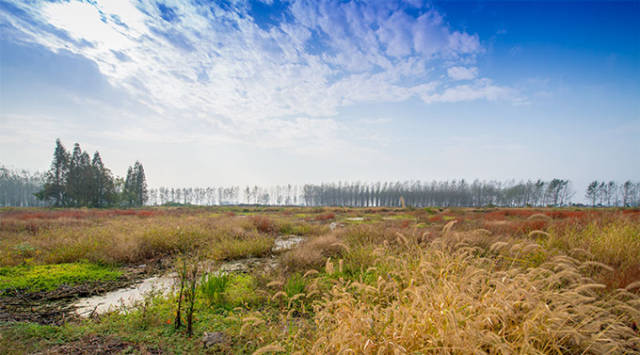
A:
(246, 265)
(215, 338)
(237, 266)
(333, 226)
(286, 242)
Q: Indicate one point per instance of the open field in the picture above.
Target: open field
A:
(368, 281)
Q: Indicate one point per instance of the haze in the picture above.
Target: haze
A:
(273, 92)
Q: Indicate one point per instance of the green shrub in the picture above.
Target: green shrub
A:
(213, 287)
(241, 290)
(229, 291)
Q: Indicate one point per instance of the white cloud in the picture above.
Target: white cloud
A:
(481, 89)
(462, 73)
(285, 81)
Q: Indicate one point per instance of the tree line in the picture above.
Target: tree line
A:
(454, 193)
(76, 180)
(601, 193)
(17, 188)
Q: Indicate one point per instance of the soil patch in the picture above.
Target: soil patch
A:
(53, 307)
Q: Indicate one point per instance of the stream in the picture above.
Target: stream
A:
(127, 297)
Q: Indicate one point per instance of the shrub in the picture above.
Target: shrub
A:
(263, 224)
(241, 290)
(213, 287)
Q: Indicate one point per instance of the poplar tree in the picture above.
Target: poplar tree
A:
(592, 192)
(141, 193)
(128, 193)
(55, 187)
(103, 188)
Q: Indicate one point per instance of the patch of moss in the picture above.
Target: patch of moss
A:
(35, 278)
(241, 290)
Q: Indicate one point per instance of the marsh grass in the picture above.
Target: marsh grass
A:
(525, 284)
(127, 240)
(312, 253)
(213, 287)
(614, 242)
(452, 300)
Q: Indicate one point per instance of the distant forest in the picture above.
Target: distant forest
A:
(20, 188)
(455, 193)
(17, 188)
(75, 180)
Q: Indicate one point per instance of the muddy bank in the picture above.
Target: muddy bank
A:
(53, 307)
(96, 344)
(85, 300)
(124, 298)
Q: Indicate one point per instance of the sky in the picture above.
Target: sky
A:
(209, 93)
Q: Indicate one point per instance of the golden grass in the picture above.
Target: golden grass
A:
(615, 242)
(125, 240)
(452, 300)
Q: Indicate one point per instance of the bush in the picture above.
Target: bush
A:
(263, 224)
(241, 290)
(213, 287)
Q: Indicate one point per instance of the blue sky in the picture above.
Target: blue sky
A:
(269, 92)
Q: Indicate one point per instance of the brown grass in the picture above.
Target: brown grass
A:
(452, 300)
(313, 252)
(528, 281)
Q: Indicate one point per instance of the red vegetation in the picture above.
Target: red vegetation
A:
(263, 224)
(515, 227)
(632, 212)
(622, 278)
(325, 216)
(77, 214)
(566, 214)
(511, 212)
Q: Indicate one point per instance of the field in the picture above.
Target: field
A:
(372, 281)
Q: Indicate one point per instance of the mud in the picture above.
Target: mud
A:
(125, 297)
(95, 344)
(53, 307)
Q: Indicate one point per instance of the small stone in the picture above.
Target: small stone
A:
(214, 338)
(286, 242)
